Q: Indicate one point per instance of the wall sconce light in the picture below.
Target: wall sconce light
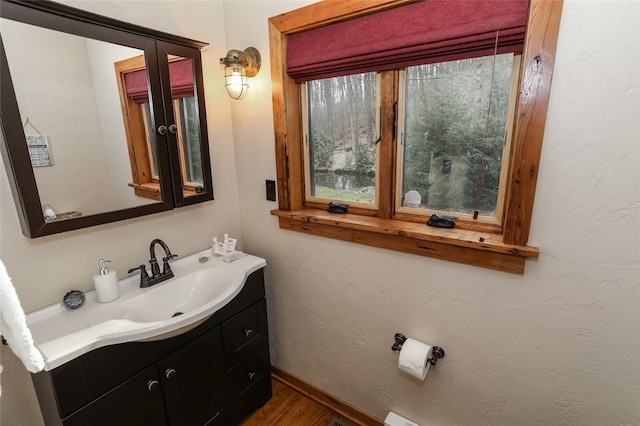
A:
(238, 65)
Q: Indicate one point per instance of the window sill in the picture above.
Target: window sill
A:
(457, 245)
(152, 191)
(149, 190)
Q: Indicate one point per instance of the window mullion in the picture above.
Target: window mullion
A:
(385, 174)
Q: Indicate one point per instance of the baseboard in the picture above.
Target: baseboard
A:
(343, 408)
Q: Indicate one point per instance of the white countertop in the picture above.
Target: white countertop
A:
(62, 334)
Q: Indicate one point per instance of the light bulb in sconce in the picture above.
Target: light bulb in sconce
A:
(237, 84)
(238, 66)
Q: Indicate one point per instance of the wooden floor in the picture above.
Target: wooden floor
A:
(289, 407)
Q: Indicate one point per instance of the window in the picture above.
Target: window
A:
(341, 135)
(454, 135)
(141, 136)
(472, 167)
(451, 116)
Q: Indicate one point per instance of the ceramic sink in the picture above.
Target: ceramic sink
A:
(203, 283)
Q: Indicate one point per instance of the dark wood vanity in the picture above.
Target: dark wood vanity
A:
(214, 374)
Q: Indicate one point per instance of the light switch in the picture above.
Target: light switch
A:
(271, 190)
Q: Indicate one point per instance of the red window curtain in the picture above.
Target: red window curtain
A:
(180, 73)
(424, 32)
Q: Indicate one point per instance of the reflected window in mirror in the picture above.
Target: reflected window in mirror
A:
(65, 84)
(140, 129)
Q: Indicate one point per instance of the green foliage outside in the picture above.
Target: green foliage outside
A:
(453, 136)
(321, 151)
(360, 195)
(452, 151)
(191, 139)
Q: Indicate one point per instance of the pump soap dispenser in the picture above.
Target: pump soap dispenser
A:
(106, 284)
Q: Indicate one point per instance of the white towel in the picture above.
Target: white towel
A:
(13, 325)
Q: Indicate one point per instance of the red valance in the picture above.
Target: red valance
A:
(424, 32)
(180, 73)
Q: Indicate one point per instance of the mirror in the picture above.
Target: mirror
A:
(69, 137)
(67, 94)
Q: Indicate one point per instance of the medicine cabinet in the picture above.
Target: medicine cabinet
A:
(101, 120)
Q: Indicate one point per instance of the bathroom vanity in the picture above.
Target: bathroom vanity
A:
(213, 370)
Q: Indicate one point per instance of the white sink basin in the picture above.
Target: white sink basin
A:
(196, 292)
(179, 296)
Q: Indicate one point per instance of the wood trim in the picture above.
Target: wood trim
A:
(343, 408)
(387, 145)
(149, 190)
(133, 121)
(287, 112)
(531, 108)
(287, 108)
(457, 245)
(531, 112)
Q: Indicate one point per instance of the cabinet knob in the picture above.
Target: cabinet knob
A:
(248, 332)
(170, 373)
(173, 129)
(162, 130)
(253, 375)
(152, 385)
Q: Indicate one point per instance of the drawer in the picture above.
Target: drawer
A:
(250, 381)
(244, 332)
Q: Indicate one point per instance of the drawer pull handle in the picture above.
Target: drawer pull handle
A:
(253, 375)
(152, 385)
(170, 373)
(248, 332)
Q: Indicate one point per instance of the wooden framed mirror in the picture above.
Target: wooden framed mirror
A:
(67, 140)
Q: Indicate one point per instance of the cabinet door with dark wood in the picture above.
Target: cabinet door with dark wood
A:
(250, 382)
(194, 383)
(136, 402)
(244, 332)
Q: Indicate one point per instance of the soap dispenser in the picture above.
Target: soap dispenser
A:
(106, 284)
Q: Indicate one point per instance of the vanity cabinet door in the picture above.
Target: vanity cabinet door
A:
(136, 402)
(245, 332)
(250, 382)
(194, 383)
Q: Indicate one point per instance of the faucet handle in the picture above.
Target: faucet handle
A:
(144, 277)
(166, 269)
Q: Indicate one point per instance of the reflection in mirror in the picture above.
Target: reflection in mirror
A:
(141, 134)
(187, 123)
(67, 90)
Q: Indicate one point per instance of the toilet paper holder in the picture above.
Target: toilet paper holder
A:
(400, 338)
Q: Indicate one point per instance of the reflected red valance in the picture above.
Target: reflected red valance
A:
(181, 75)
(424, 32)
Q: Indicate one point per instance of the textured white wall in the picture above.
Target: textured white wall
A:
(57, 97)
(559, 345)
(44, 269)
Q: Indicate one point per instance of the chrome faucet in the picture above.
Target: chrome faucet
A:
(156, 275)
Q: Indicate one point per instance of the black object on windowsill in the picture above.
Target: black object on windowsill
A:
(338, 208)
(439, 221)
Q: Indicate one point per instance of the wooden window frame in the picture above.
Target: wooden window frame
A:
(504, 249)
(144, 184)
(492, 224)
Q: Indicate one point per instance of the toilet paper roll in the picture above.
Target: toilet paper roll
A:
(413, 358)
